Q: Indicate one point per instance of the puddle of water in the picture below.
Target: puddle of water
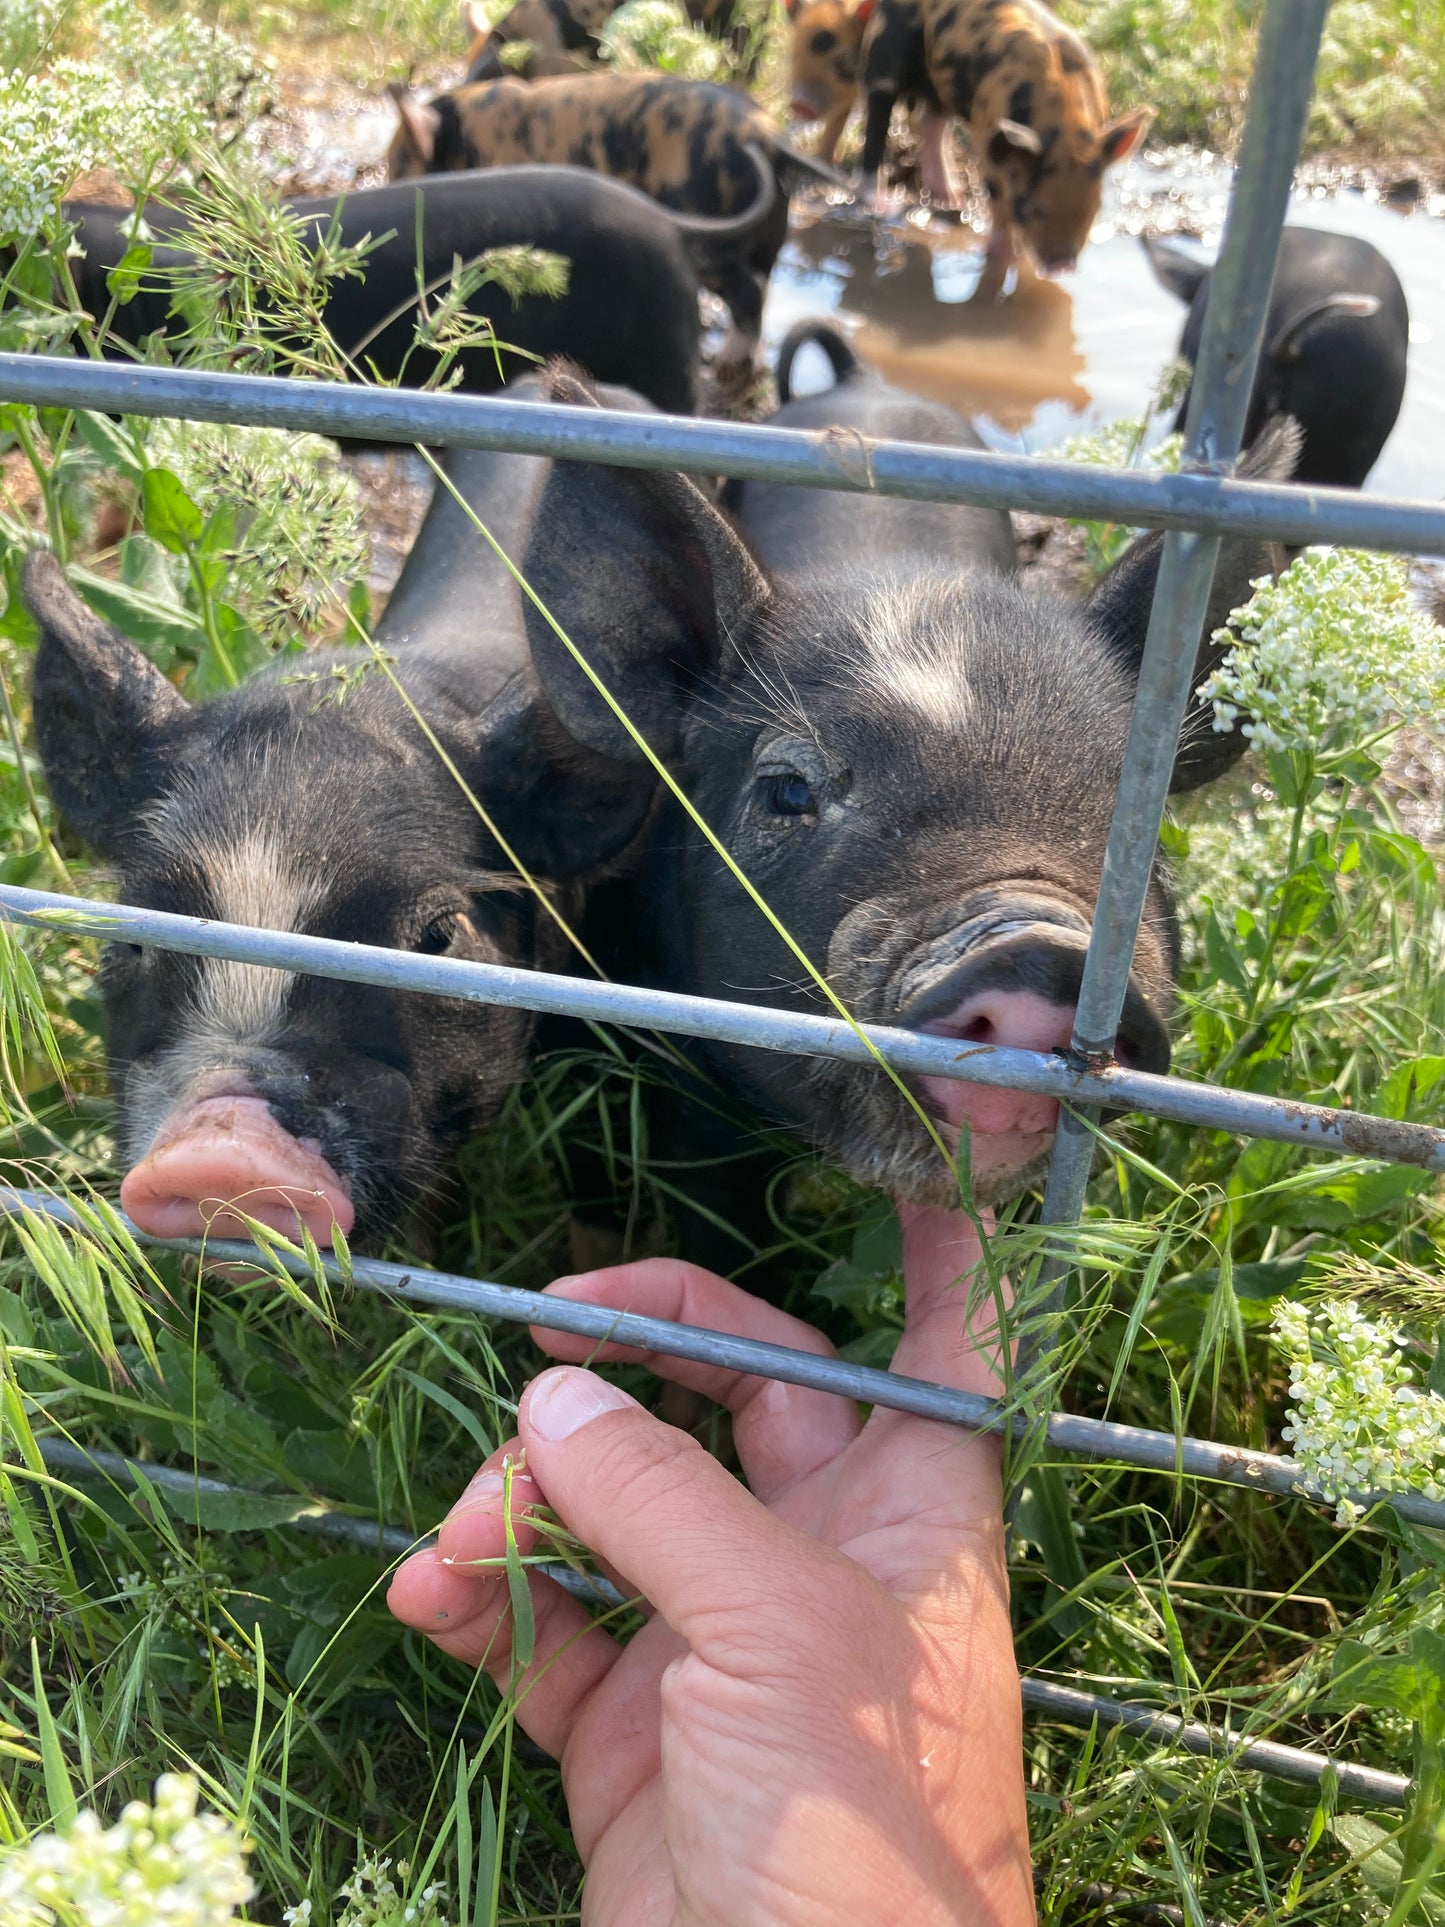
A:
(1045, 359)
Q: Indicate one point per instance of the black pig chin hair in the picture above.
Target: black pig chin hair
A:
(874, 1133)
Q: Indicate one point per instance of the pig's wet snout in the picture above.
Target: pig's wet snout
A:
(219, 1155)
(1018, 992)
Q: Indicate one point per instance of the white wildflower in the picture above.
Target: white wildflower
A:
(371, 1898)
(1329, 656)
(298, 516)
(140, 104)
(164, 1862)
(1120, 444)
(1237, 859)
(28, 29)
(1357, 1421)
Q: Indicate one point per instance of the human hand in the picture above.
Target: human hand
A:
(820, 1721)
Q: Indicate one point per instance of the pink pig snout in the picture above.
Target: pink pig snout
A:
(1013, 987)
(1017, 1020)
(217, 1151)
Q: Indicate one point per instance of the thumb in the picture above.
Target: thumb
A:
(728, 1575)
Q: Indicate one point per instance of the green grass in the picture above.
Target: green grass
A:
(140, 1632)
(1381, 78)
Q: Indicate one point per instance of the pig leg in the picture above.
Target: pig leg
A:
(934, 161)
(1003, 248)
(833, 131)
(742, 290)
(875, 144)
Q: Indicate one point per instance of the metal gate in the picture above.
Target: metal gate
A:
(1197, 506)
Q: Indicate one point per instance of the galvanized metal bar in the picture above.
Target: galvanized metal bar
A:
(1074, 1708)
(68, 1460)
(1315, 1127)
(704, 447)
(1066, 1704)
(1100, 1439)
(1279, 101)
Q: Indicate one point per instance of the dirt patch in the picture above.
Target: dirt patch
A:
(396, 489)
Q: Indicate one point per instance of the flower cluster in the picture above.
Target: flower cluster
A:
(371, 1899)
(1357, 1421)
(299, 535)
(1237, 860)
(141, 103)
(1120, 444)
(164, 1862)
(28, 30)
(658, 33)
(1329, 656)
(183, 1598)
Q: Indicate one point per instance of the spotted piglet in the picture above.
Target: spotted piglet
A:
(825, 62)
(1029, 92)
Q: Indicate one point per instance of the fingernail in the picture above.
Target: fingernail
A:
(561, 1402)
(483, 1494)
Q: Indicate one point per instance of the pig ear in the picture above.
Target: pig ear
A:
(1120, 604)
(105, 716)
(647, 580)
(790, 8)
(1122, 136)
(1012, 137)
(419, 123)
(474, 19)
(1178, 273)
(864, 11)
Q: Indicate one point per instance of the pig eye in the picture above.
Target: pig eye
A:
(439, 935)
(790, 794)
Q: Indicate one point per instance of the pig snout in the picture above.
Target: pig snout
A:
(221, 1150)
(1017, 991)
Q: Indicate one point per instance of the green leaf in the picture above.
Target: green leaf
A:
(358, 608)
(59, 1794)
(332, 1661)
(170, 514)
(332, 1462)
(326, 1590)
(112, 442)
(1301, 902)
(124, 279)
(519, 1589)
(878, 1241)
(161, 628)
(1380, 1863)
(1411, 1684)
(1224, 961)
(17, 624)
(1045, 1518)
(1413, 1088)
(236, 1511)
(1391, 854)
(463, 1415)
(1350, 1198)
(1267, 1278)
(1435, 1378)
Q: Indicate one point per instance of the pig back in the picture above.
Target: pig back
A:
(794, 530)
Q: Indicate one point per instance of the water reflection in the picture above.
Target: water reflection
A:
(1031, 361)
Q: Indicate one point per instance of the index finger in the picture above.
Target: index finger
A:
(782, 1432)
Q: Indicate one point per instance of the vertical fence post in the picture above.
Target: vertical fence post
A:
(1279, 101)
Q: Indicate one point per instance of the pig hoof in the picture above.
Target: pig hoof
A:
(736, 362)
